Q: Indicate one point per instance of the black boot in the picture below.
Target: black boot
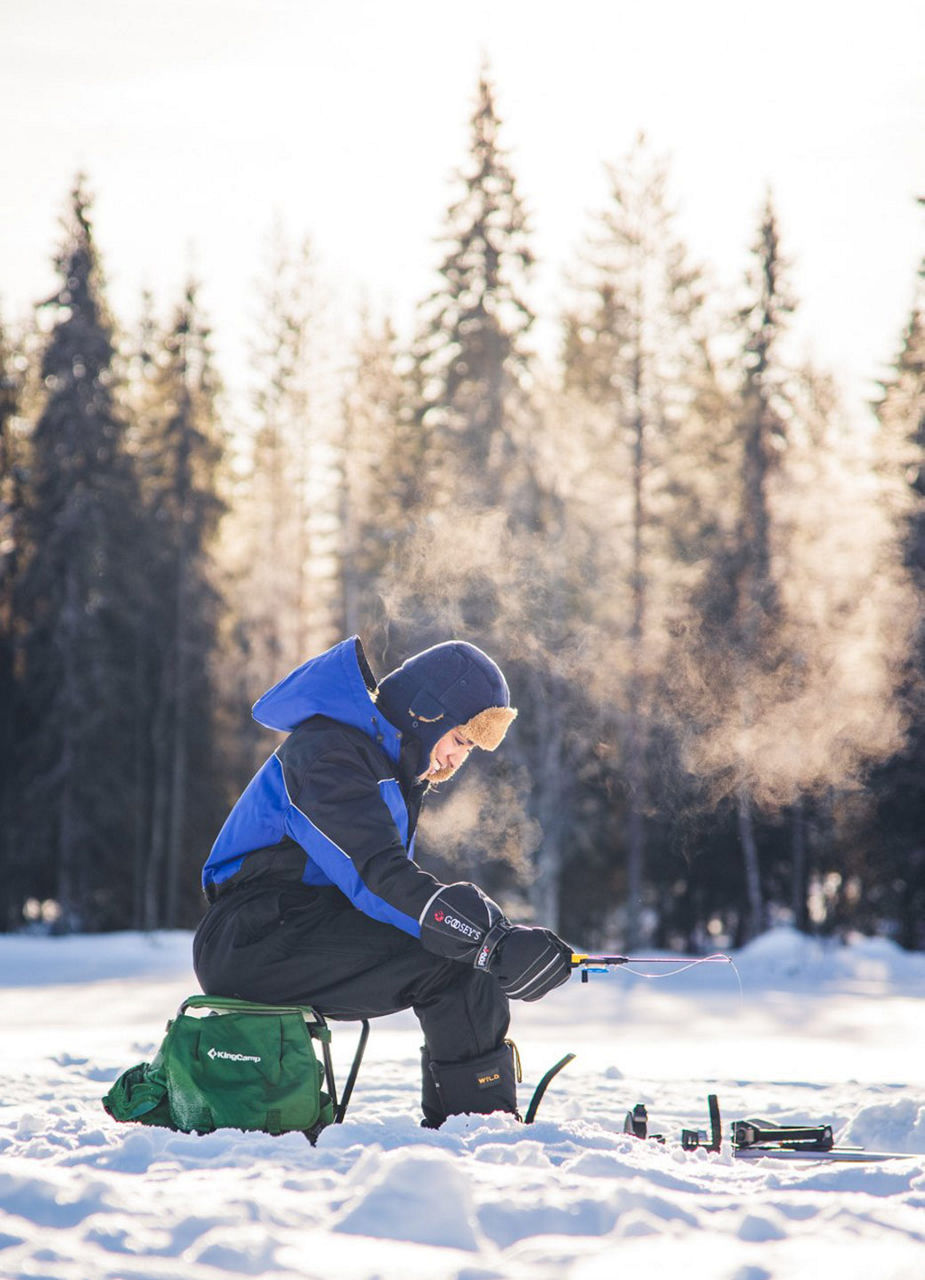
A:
(478, 1086)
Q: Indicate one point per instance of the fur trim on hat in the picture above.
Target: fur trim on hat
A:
(487, 729)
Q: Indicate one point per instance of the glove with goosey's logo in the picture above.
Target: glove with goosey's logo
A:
(461, 923)
(457, 919)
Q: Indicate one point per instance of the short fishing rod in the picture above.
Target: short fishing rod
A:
(602, 964)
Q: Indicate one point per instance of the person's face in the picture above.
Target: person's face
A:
(448, 754)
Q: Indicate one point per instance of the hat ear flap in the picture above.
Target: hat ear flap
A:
(488, 728)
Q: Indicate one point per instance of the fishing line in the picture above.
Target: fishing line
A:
(718, 956)
(602, 964)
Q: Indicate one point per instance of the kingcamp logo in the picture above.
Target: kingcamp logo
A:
(461, 926)
(231, 1057)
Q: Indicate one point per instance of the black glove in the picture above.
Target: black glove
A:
(457, 920)
(528, 962)
(460, 922)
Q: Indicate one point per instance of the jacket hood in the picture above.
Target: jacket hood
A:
(338, 684)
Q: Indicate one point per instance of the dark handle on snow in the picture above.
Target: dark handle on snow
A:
(543, 1085)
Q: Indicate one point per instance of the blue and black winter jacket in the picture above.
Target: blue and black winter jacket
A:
(335, 804)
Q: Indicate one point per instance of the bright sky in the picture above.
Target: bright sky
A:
(199, 121)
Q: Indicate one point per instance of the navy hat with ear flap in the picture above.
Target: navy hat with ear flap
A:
(449, 686)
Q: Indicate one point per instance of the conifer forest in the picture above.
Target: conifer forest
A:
(705, 585)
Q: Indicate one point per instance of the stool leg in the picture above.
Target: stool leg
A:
(339, 1111)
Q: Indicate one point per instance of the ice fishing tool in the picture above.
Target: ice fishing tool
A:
(691, 1139)
(761, 1140)
(587, 964)
(637, 1124)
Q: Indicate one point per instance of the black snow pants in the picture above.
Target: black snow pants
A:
(301, 945)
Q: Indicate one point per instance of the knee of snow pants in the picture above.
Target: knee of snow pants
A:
(478, 1086)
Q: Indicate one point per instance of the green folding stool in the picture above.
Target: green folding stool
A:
(231, 1064)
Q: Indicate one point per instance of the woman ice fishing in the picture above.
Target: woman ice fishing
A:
(315, 897)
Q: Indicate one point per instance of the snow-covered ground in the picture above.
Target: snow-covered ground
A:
(818, 1034)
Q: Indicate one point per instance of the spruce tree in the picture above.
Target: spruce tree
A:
(283, 610)
(472, 351)
(77, 600)
(740, 624)
(793, 661)
(280, 541)
(465, 479)
(894, 874)
(762, 427)
(180, 451)
(12, 475)
(480, 548)
(381, 472)
(640, 378)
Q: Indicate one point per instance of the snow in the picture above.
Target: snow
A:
(818, 1033)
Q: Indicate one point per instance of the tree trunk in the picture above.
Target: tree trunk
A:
(179, 749)
(636, 735)
(798, 863)
(635, 821)
(635, 859)
(67, 850)
(545, 889)
(159, 803)
(140, 803)
(755, 921)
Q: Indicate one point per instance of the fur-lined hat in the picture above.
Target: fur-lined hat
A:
(449, 686)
